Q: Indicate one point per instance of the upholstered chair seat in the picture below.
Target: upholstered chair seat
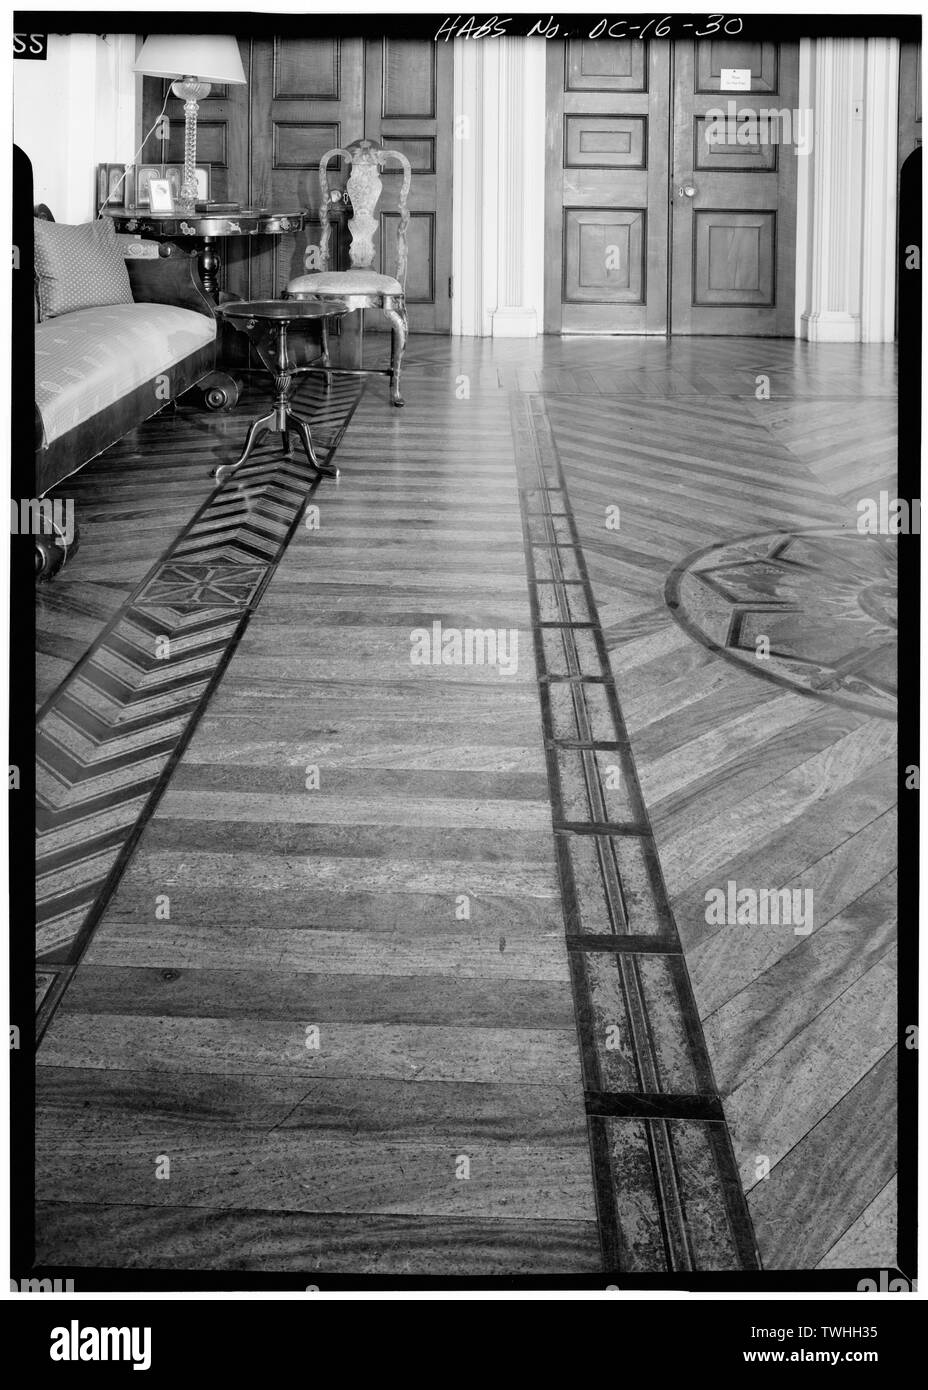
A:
(342, 282)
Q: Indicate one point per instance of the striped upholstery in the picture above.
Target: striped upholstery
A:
(86, 360)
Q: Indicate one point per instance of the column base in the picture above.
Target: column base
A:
(831, 326)
(514, 323)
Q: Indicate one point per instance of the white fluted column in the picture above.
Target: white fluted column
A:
(467, 308)
(499, 169)
(513, 316)
(881, 137)
(832, 313)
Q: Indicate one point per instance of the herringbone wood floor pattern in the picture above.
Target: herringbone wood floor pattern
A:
(753, 783)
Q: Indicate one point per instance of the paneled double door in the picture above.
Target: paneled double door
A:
(671, 195)
(263, 143)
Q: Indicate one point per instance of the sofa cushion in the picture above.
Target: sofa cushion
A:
(78, 267)
(86, 360)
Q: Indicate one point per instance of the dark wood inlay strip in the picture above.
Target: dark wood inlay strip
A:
(646, 1167)
(655, 1105)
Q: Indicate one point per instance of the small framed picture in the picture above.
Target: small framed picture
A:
(146, 173)
(160, 197)
(113, 186)
(116, 191)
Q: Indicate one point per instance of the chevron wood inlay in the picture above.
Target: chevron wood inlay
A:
(109, 733)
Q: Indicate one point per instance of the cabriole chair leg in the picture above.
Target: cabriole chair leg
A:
(326, 360)
(399, 335)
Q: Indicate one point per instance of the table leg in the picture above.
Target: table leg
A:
(208, 264)
(256, 430)
(302, 428)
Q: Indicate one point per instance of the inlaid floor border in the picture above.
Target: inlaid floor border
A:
(668, 1192)
(109, 737)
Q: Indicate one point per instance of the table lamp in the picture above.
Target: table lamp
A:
(193, 62)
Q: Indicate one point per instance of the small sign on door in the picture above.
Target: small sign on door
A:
(735, 80)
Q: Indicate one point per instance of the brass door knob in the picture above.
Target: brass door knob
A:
(686, 190)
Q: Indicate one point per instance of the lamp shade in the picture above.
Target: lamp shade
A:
(210, 57)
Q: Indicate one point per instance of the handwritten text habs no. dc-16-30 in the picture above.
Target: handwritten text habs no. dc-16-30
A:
(630, 27)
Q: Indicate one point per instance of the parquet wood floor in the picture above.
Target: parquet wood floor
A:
(448, 1041)
(760, 785)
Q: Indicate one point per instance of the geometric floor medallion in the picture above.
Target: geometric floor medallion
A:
(814, 610)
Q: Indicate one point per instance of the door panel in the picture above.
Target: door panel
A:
(409, 108)
(606, 211)
(754, 151)
(407, 77)
(712, 55)
(733, 255)
(733, 237)
(597, 276)
(605, 142)
(308, 69)
(606, 67)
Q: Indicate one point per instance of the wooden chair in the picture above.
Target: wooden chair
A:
(362, 286)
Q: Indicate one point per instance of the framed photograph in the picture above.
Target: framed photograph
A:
(114, 186)
(160, 197)
(175, 174)
(146, 173)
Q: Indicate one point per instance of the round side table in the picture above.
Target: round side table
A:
(267, 321)
(208, 228)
